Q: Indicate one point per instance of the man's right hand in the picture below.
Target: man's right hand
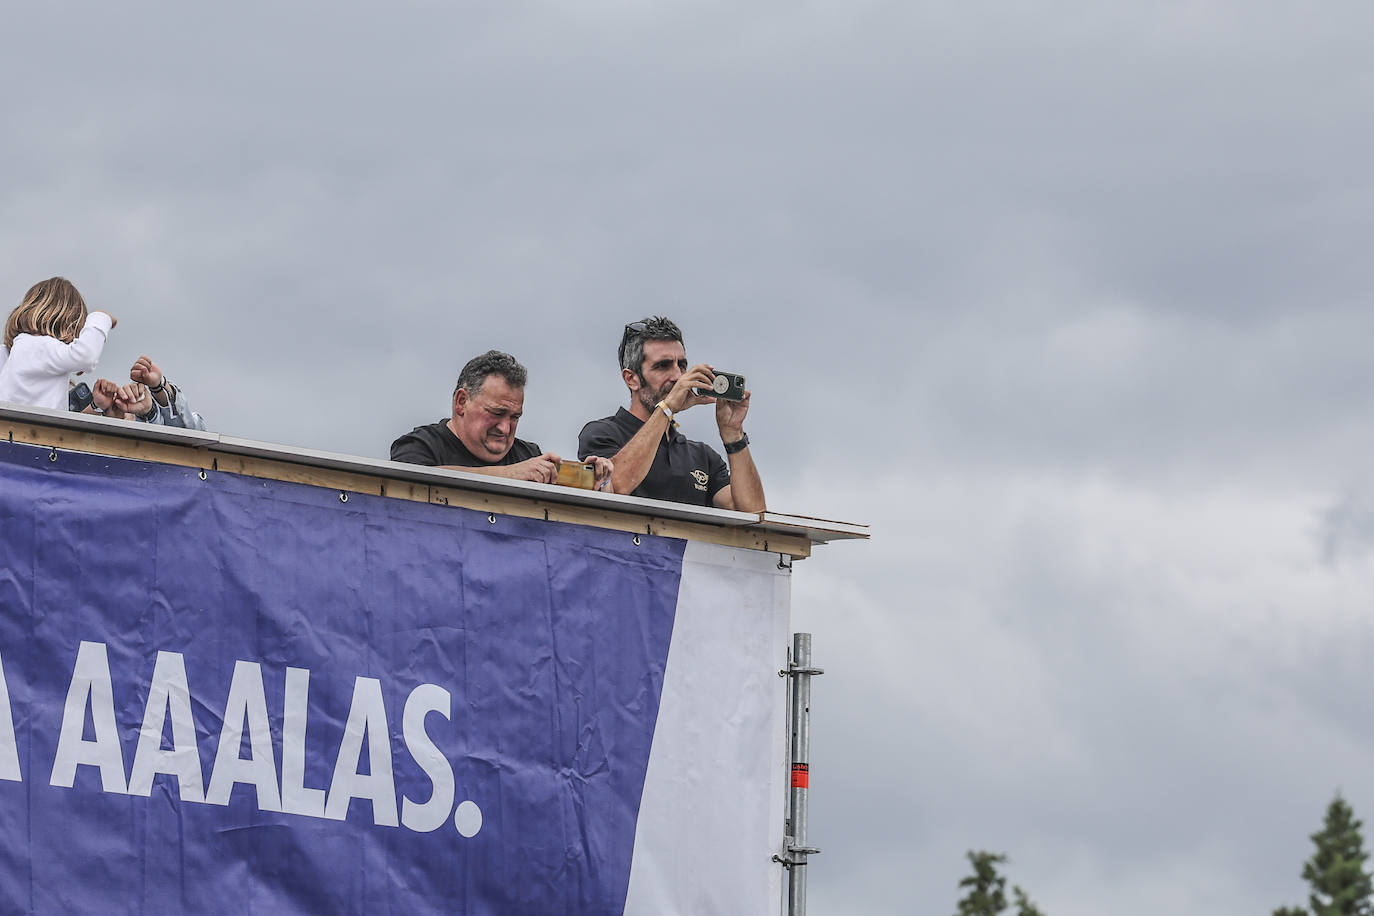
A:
(681, 397)
(542, 469)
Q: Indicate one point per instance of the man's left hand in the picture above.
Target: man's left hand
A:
(730, 417)
(604, 469)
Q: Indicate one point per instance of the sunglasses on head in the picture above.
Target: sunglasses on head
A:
(633, 329)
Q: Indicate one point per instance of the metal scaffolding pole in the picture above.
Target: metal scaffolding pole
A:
(795, 850)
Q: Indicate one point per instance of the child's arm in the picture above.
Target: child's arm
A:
(81, 354)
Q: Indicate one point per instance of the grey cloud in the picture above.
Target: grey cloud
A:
(1084, 692)
(1068, 302)
(1346, 528)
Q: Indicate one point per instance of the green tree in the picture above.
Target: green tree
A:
(987, 894)
(1336, 873)
(1024, 907)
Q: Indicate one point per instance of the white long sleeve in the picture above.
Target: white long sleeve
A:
(36, 372)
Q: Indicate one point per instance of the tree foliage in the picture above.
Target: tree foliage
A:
(987, 894)
(987, 889)
(1336, 874)
(1024, 907)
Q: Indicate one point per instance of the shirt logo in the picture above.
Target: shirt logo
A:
(700, 477)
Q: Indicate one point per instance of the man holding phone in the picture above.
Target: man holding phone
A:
(479, 436)
(651, 455)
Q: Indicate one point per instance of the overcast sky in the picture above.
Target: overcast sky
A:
(1066, 300)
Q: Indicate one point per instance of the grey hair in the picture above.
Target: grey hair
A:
(631, 350)
(492, 362)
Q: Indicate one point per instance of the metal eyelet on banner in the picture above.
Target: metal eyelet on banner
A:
(52, 455)
(492, 518)
(343, 497)
(203, 475)
(637, 540)
(784, 562)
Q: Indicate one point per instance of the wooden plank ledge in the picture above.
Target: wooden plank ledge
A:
(204, 453)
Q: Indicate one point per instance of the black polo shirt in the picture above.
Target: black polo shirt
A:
(436, 445)
(684, 470)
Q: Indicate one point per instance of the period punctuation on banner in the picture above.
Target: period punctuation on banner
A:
(468, 819)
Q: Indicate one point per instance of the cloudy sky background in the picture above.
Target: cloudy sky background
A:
(1068, 301)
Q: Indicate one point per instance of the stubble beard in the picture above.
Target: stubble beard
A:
(650, 399)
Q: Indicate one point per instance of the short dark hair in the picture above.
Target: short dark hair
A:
(492, 362)
(631, 352)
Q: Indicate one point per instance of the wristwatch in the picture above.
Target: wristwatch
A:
(738, 445)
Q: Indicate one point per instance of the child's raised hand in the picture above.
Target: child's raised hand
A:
(113, 320)
(146, 371)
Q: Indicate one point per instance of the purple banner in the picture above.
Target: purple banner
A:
(236, 695)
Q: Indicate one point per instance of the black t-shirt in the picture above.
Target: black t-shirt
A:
(436, 445)
(684, 470)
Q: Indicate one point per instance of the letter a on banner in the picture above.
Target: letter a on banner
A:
(9, 750)
(90, 686)
(168, 692)
(366, 718)
(247, 702)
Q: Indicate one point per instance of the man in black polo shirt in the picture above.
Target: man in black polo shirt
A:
(480, 435)
(652, 457)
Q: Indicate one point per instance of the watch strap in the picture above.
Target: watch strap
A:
(738, 445)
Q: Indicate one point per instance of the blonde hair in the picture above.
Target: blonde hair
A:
(51, 308)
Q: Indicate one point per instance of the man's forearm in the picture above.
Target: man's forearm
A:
(494, 470)
(746, 489)
(634, 459)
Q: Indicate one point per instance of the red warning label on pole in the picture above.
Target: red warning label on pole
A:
(801, 776)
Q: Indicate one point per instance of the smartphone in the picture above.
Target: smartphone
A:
(581, 474)
(726, 386)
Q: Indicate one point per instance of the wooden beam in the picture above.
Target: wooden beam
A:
(101, 444)
(209, 459)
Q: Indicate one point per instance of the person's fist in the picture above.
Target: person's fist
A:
(134, 398)
(103, 393)
(146, 372)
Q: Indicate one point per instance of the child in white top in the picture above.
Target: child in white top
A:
(44, 346)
